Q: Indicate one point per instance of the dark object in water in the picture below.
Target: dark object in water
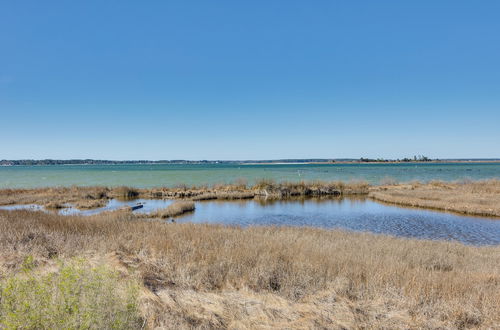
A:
(136, 207)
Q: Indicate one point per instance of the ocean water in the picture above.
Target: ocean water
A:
(174, 174)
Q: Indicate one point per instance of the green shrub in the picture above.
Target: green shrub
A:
(78, 296)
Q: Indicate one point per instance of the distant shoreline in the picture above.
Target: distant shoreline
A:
(385, 162)
(49, 162)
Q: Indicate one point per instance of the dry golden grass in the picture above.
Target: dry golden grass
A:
(125, 192)
(54, 205)
(209, 276)
(173, 210)
(473, 197)
(59, 195)
(94, 197)
(90, 204)
(310, 188)
(229, 195)
(267, 188)
(469, 197)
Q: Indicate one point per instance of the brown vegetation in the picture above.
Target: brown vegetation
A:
(93, 197)
(90, 204)
(59, 195)
(209, 276)
(173, 210)
(268, 188)
(468, 197)
(54, 205)
(229, 195)
(125, 192)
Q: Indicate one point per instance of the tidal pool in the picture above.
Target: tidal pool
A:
(350, 214)
(357, 215)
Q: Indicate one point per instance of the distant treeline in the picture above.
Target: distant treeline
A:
(97, 162)
(419, 158)
(180, 161)
(175, 161)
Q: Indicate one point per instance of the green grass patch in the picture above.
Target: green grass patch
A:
(77, 296)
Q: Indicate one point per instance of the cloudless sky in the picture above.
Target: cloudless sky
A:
(249, 79)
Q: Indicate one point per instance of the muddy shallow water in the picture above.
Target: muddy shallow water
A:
(350, 214)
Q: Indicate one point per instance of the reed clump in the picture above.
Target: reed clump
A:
(94, 197)
(224, 195)
(310, 188)
(173, 210)
(212, 276)
(54, 206)
(51, 197)
(467, 197)
(91, 204)
(125, 192)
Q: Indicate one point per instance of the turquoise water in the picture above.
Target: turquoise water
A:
(171, 175)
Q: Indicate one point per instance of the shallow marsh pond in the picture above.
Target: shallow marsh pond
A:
(343, 213)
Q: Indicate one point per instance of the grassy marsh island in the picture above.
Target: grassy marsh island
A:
(481, 197)
(211, 276)
(468, 197)
(174, 209)
(86, 197)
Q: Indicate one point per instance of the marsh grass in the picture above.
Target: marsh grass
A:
(94, 197)
(173, 210)
(54, 206)
(310, 188)
(211, 276)
(125, 192)
(468, 197)
(76, 295)
(225, 195)
(91, 204)
(55, 196)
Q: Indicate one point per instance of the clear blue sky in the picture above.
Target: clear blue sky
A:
(249, 79)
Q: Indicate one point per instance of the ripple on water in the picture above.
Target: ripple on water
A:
(357, 215)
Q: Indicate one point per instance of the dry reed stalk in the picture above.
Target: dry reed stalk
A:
(173, 210)
(216, 276)
(469, 197)
(93, 197)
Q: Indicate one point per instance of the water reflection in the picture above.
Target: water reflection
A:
(358, 214)
(149, 205)
(352, 214)
(267, 201)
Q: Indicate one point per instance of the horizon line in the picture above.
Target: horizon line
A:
(419, 158)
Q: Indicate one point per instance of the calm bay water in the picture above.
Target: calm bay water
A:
(171, 175)
(357, 215)
(350, 214)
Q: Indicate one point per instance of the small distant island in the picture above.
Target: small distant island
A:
(415, 159)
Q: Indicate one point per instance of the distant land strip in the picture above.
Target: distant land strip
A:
(416, 159)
